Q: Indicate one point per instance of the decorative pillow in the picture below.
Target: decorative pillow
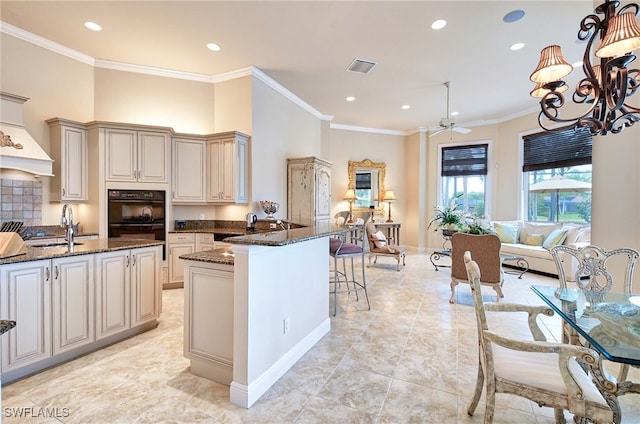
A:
(534, 240)
(556, 237)
(544, 228)
(572, 233)
(379, 239)
(507, 233)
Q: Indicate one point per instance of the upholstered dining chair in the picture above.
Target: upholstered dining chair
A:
(348, 246)
(485, 249)
(380, 245)
(548, 374)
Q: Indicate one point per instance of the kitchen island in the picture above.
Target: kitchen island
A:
(251, 312)
(69, 302)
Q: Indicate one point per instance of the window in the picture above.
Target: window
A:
(557, 171)
(464, 172)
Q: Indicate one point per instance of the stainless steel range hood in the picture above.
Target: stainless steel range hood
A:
(18, 149)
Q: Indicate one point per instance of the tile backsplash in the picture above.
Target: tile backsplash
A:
(21, 200)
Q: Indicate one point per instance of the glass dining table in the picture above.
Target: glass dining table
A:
(611, 327)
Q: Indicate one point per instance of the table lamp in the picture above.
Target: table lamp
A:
(389, 197)
(350, 195)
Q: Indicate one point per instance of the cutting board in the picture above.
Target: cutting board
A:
(11, 244)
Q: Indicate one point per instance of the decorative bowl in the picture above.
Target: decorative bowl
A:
(269, 208)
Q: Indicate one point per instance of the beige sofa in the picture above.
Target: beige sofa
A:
(533, 240)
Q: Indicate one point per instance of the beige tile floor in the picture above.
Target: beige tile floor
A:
(411, 359)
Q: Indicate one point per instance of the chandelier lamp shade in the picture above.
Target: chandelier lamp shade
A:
(350, 196)
(607, 84)
(389, 197)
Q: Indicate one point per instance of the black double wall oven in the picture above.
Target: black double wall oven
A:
(138, 214)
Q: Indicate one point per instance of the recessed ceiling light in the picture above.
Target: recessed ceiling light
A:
(439, 24)
(213, 47)
(92, 26)
(455, 113)
(577, 64)
(517, 46)
(513, 16)
(350, 98)
(405, 107)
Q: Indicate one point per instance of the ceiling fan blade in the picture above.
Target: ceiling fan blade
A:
(461, 130)
(436, 132)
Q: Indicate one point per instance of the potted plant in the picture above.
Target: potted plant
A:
(475, 225)
(448, 217)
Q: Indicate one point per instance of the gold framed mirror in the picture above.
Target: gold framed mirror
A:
(366, 178)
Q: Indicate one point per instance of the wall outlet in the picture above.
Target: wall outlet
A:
(285, 325)
(272, 226)
(201, 216)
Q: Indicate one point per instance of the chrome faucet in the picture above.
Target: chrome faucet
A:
(67, 223)
(150, 208)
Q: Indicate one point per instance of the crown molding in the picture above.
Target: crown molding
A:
(150, 70)
(45, 44)
(368, 129)
(257, 73)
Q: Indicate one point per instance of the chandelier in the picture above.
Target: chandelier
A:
(607, 84)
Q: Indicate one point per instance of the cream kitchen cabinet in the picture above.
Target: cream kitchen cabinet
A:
(205, 241)
(25, 297)
(127, 289)
(178, 244)
(308, 189)
(146, 294)
(69, 151)
(136, 155)
(73, 302)
(53, 301)
(228, 168)
(113, 293)
(208, 320)
(189, 171)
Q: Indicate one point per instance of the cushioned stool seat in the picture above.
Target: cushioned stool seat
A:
(340, 249)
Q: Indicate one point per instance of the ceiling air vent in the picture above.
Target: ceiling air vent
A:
(361, 66)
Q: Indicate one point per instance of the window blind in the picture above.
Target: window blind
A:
(557, 149)
(464, 160)
(363, 181)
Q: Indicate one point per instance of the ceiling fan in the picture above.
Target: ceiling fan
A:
(448, 123)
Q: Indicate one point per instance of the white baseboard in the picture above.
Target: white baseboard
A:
(246, 396)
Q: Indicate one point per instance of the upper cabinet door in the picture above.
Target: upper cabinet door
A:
(228, 164)
(153, 157)
(121, 155)
(188, 176)
(69, 151)
(137, 156)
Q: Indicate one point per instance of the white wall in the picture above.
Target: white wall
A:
(281, 130)
(346, 145)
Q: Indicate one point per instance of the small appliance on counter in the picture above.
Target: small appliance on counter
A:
(181, 225)
(251, 218)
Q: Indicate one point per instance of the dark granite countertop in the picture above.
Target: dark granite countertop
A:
(225, 255)
(222, 256)
(6, 325)
(82, 247)
(286, 237)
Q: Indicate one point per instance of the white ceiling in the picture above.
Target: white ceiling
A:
(306, 46)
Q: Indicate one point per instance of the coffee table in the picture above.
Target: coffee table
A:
(520, 262)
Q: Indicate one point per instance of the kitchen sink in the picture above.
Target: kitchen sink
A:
(52, 245)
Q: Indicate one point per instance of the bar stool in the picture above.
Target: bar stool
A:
(339, 248)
